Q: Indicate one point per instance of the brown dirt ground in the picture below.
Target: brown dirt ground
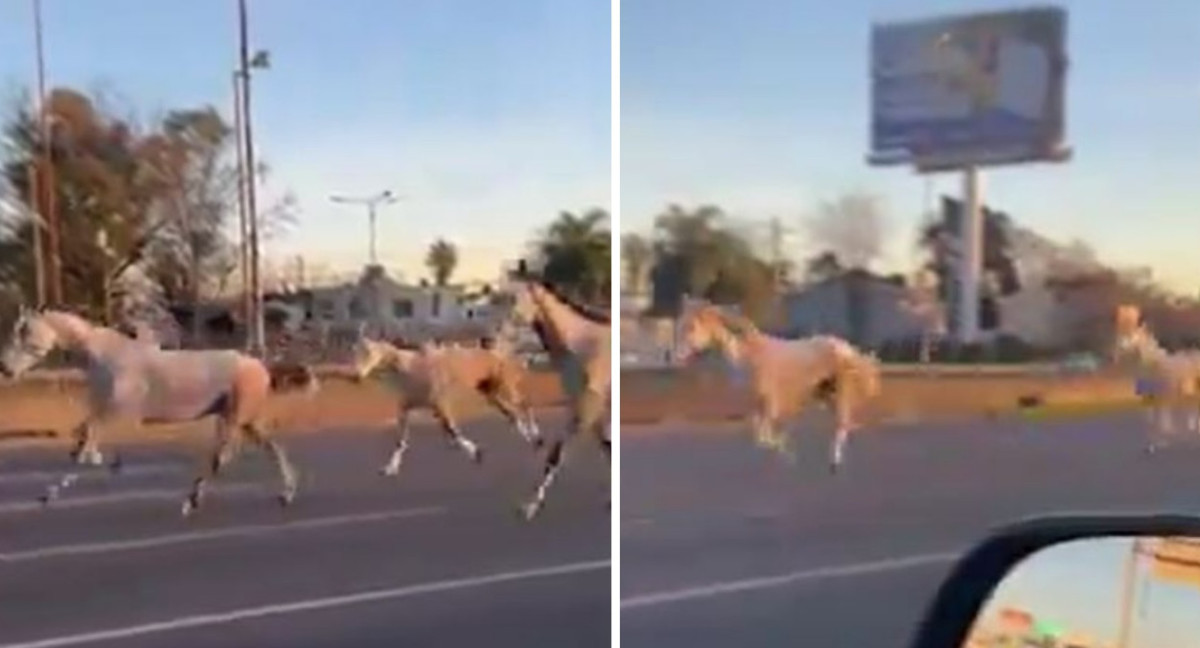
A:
(49, 405)
(651, 396)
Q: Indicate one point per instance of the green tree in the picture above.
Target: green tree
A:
(637, 255)
(698, 253)
(442, 259)
(160, 196)
(576, 255)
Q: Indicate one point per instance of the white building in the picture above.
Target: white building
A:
(863, 308)
(394, 308)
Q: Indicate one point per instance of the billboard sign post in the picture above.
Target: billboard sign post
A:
(958, 93)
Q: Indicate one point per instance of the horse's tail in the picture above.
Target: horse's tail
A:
(863, 370)
(293, 377)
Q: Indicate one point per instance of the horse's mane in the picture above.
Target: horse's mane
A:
(589, 313)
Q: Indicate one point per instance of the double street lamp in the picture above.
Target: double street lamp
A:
(385, 197)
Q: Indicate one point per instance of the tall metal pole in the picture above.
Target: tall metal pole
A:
(971, 260)
(257, 334)
(39, 257)
(47, 208)
(243, 224)
(371, 219)
(372, 203)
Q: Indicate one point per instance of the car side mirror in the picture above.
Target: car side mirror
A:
(1073, 582)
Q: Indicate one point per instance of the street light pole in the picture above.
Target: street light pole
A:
(385, 197)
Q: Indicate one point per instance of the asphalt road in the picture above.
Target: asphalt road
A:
(723, 544)
(434, 557)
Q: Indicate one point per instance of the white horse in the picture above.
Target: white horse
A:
(132, 382)
(579, 342)
(785, 373)
(429, 377)
(1172, 379)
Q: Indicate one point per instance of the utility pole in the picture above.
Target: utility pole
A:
(260, 61)
(243, 222)
(45, 197)
(385, 197)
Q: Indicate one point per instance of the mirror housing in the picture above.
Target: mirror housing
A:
(962, 595)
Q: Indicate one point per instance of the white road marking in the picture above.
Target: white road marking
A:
(214, 534)
(84, 501)
(781, 580)
(143, 470)
(224, 618)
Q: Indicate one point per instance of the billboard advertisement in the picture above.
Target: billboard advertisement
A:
(975, 90)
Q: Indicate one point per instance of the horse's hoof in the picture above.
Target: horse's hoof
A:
(477, 455)
(286, 498)
(530, 510)
(116, 466)
(190, 506)
(389, 471)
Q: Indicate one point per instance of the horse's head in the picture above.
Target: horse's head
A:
(32, 338)
(523, 302)
(700, 328)
(1136, 343)
(367, 356)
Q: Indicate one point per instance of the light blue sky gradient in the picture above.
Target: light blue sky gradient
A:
(490, 116)
(1078, 585)
(761, 106)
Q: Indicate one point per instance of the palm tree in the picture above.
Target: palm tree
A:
(637, 255)
(441, 260)
(576, 252)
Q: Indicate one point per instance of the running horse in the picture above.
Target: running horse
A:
(132, 382)
(429, 376)
(785, 374)
(579, 342)
(1167, 381)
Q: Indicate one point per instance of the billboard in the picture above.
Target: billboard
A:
(975, 90)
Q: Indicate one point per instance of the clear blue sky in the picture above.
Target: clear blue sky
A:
(490, 116)
(761, 106)
(1078, 587)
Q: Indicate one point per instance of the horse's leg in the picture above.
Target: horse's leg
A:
(1164, 425)
(256, 432)
(843, 415)
(589, 408)
(506, 397)
(599, 429)
(223, 452)
(85, 452)
(392, 468)
(441, 412)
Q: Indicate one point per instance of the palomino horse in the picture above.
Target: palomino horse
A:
(130, 381)
(785, 373)
(1172, 379)
(427, 378)
(579, 343)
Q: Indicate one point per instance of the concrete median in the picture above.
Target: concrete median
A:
(909, 393)
(48, 404)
